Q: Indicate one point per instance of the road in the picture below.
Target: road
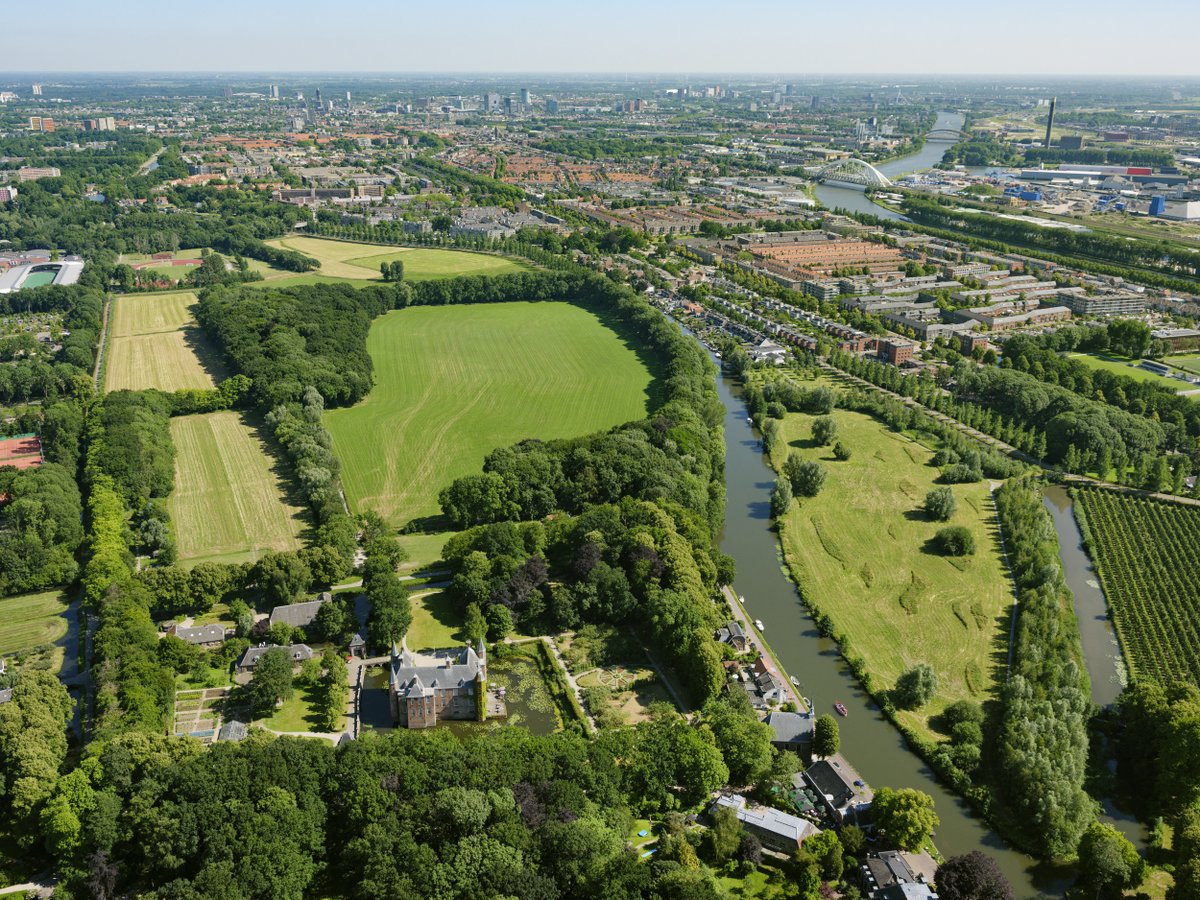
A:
(789, 692)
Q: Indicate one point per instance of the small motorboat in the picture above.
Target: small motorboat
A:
(741, 600)
(794, 680)
(758, 624)
(840, 707)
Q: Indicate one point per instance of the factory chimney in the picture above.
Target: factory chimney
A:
(1050, 121)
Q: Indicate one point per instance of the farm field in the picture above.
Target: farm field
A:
(857, 550)
(1122, 366)
(452, 383)
(345, 259)
(1145, 553)
(31, 620)
(228, 504)
(152, 344)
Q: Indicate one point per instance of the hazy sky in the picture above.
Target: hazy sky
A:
(787, 36)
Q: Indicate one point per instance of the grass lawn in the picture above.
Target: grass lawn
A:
(345, 259)
(452, 383)
(436, 623)
(858, 550)
(31, 620)
(298, 713)
(1121, 365)
(1188, 362)
(230, 502)
(424, 550)
(154, 342)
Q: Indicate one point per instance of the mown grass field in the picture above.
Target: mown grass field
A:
(229, 503)
(152, 344)
(1128, 368)
(436, 622)
(30, 620)
(858, 550)
(344, 259)
(452, 383)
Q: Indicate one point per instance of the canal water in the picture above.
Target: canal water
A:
(869, 741)
(929, 156)
(1101, 652)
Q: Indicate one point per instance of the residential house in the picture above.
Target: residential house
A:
(733, 635)
(199, 635)
(792, 731)
(298, 652)
(893, 875)
(769, 351)
(778, 831)
(845, 796)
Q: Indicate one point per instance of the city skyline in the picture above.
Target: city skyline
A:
(931, 37)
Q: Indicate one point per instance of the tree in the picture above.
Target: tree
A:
(906, 816)
(807, 477)
(781, 497)
(499, 622)
(940, 504)
(724, 836)
(475, 625)
(841, 452)
(824, 430)
(391, 611)
(333, 622)
(955, 540)
(1108, 862)
(334, 691)
(826, 736)
(826, 848)
(915, 687)
(282, 577)
(744, 741)
(271, 682)
(972, 876)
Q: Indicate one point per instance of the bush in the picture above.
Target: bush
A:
(781, 497)
(955, 541)
(824, 429)
(807, 477)
(960, 473)
(915, 687)
(841, 451)
(940, 504)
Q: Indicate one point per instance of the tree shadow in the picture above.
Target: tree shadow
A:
(282, 470)
(211, 359)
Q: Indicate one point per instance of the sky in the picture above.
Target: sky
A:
(1019, 37)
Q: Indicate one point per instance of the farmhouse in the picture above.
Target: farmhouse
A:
(441, 684)
(777, 830)
(201, 636)
(298, 652)
(300, 615)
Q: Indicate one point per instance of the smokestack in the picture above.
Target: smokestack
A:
(1050, 121)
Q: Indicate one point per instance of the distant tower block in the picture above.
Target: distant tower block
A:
(1050, 121)
(37, 90)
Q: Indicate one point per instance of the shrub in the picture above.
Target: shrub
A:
(955, 541)
(915, 687)
(841, 451)
(940, 504)
(824, 429)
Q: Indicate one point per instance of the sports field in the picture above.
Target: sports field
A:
(1128, 368)
(344, 259)
(228, 504)
(151, 344)
(858, 551)
(30, 620)
(452, 383)
(1188, 362)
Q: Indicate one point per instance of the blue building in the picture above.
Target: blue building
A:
(1157, 205)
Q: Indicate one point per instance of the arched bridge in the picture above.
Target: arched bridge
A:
(947, 134)
(854, 171)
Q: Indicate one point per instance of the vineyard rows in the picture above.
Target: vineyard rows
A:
(1148, 556)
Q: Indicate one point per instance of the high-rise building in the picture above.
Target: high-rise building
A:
(347, 98)
(551, 105)
(43, 124)
(524, 96)
(1050, 121)
(227, 92)
(37, 90)
(491, 102)
(318, 96)
(274, 92)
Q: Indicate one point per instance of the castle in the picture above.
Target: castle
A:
(440, 684)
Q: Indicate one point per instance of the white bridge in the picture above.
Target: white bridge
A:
(856, 172)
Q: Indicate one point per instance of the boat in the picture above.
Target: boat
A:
(741, 600)
(749, 421)
(842, 711)
(758, 624)
(794, 680)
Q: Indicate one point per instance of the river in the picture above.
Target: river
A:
(869, 741)
(929, 156)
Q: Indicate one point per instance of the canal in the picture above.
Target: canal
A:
(929, 156)
(869, 741)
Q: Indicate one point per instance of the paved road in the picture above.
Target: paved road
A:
(739, 613)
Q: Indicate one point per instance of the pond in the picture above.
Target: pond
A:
(530, 705)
